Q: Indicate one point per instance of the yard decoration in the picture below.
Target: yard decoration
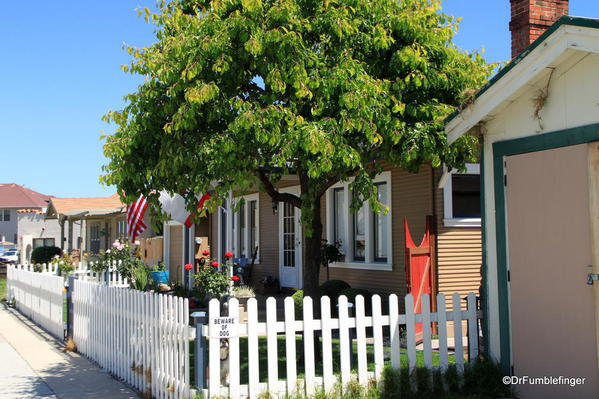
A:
(317, 89)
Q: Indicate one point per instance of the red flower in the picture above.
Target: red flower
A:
(235, 278)
(205, 252)
(188, 266)
(228, 254)
(214, 264)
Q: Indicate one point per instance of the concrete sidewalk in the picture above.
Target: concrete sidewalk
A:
(33, 366)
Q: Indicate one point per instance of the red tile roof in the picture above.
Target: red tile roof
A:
(15, 196)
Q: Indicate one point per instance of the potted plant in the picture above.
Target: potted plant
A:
(159, 274)
(243, 293)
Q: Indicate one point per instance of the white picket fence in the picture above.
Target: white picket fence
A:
(342, 327)
(83, 272)
(39, 297)
(140, 337)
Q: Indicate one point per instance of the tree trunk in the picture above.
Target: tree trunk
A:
(312, 256)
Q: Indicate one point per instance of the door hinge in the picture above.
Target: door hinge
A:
(509, 277)
(505, 180)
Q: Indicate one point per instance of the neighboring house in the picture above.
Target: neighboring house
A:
(539, 123)
(22, 221)
(100, 221)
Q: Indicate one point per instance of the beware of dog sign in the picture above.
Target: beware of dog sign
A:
(224, 327)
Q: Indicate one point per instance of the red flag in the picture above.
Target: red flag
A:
(135, 215)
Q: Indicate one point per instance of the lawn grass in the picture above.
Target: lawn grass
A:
(2, 289)
(299, 345)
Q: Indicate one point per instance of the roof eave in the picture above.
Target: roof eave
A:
(569, 33)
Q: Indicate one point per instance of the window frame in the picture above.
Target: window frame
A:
(43, 239)
(369, 262)
(247, 233)
(5, 213)
(448, 219)
(121, 228)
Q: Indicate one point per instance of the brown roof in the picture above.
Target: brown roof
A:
(78, 205)
(15, 196)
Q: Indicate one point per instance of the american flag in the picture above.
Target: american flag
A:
(135, 215)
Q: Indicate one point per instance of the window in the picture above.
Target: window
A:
(121, 229)
(461, 198)
(5, 215)
(43, 242)
(339, 218)
(364, 236)
(94, 238)
(245, 227)
(380, 227)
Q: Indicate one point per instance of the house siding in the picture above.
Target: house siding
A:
(411, 198)
(414, 197)
(459, 253)
(176, 252)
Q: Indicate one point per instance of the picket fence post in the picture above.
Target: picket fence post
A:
(200, 320)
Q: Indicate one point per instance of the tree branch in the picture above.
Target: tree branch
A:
(274, 194)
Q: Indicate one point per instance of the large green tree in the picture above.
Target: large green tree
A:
(242, 92)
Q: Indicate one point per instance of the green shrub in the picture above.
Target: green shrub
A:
(331, 288)
(423, 379)
(352, 293)
(391, 384)
(483, 377)
(298, 300)
(452, 379)
(44, 254)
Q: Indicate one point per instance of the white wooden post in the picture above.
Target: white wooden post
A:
(327, 344)
(377, 330)
(361, 340)
(472, 327)
(271, 342)
(394, 331)
(253, 356)
(410, 332)
(442, 330)
(290, 345)
(457, 332)
(234, 352)
(426, 331)
(309, 367)
(344, 341)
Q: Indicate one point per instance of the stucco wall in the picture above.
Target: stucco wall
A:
(8, 229)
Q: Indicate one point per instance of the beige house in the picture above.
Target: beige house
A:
(373, 245)
(101, 219)
(540, 127)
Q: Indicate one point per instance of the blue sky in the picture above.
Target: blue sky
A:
(60, 72)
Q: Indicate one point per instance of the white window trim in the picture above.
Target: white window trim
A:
(368, 263)
(235, 246)
(448, 219)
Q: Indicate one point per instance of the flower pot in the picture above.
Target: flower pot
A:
(159, 277)
(243, 308)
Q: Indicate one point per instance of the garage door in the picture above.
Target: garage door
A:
(553, 329)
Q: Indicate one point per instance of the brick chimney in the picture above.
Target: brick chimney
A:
(530, 18)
